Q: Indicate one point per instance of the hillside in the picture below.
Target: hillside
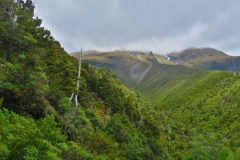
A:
(38, 115)
(198, 109)
(206, 58)
(204, 113)
(144, 73)
(154, 75)
(177, 111)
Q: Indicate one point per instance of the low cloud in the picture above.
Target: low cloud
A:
(159, 25)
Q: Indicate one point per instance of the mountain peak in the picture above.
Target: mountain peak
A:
(197, 56)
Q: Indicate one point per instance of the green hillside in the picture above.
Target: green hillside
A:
(39, 118)
(151, 76)
(155, 76)
(194, 106)
(161, 79)
(165, 111)
(204, 112)
(196, 109)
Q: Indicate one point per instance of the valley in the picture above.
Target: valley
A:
(115, 105)
(198, 106)
(155, 76)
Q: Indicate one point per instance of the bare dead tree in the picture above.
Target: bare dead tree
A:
(78, 79)
(71, 96)
(9, 9)
(79, 74)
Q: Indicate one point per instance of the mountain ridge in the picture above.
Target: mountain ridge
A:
(142, 72)
(206, 58)
(203, 58)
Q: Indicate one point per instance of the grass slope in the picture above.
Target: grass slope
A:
(161, 80)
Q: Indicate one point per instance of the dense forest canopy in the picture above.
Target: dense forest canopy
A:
(39, 121)
(198, 119)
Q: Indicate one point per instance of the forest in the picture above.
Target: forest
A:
(199, 119)
(38, 120)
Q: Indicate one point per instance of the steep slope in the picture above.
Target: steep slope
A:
(197, 109)
(119, 62)
(197, 116)
(229, 64)
(204, 112)
(38, 119)
(151, 75)
(161, 79)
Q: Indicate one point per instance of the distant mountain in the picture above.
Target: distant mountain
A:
(207, 58)
(126, 64)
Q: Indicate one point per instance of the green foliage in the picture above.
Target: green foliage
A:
(75, 151)
(64, 105)
(4, 152)
(1, 100)
(205, 115)
(24, 138)
(196, 117)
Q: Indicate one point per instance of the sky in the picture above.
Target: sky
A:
(160, 26)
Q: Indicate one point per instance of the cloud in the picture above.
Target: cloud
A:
(171, 43)
(158, 25)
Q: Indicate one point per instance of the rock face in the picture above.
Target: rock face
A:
(150, 54)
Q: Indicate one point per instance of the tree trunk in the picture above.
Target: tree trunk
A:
(71, 97)
(79, 75)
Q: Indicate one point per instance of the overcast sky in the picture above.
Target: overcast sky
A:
(161, 26)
